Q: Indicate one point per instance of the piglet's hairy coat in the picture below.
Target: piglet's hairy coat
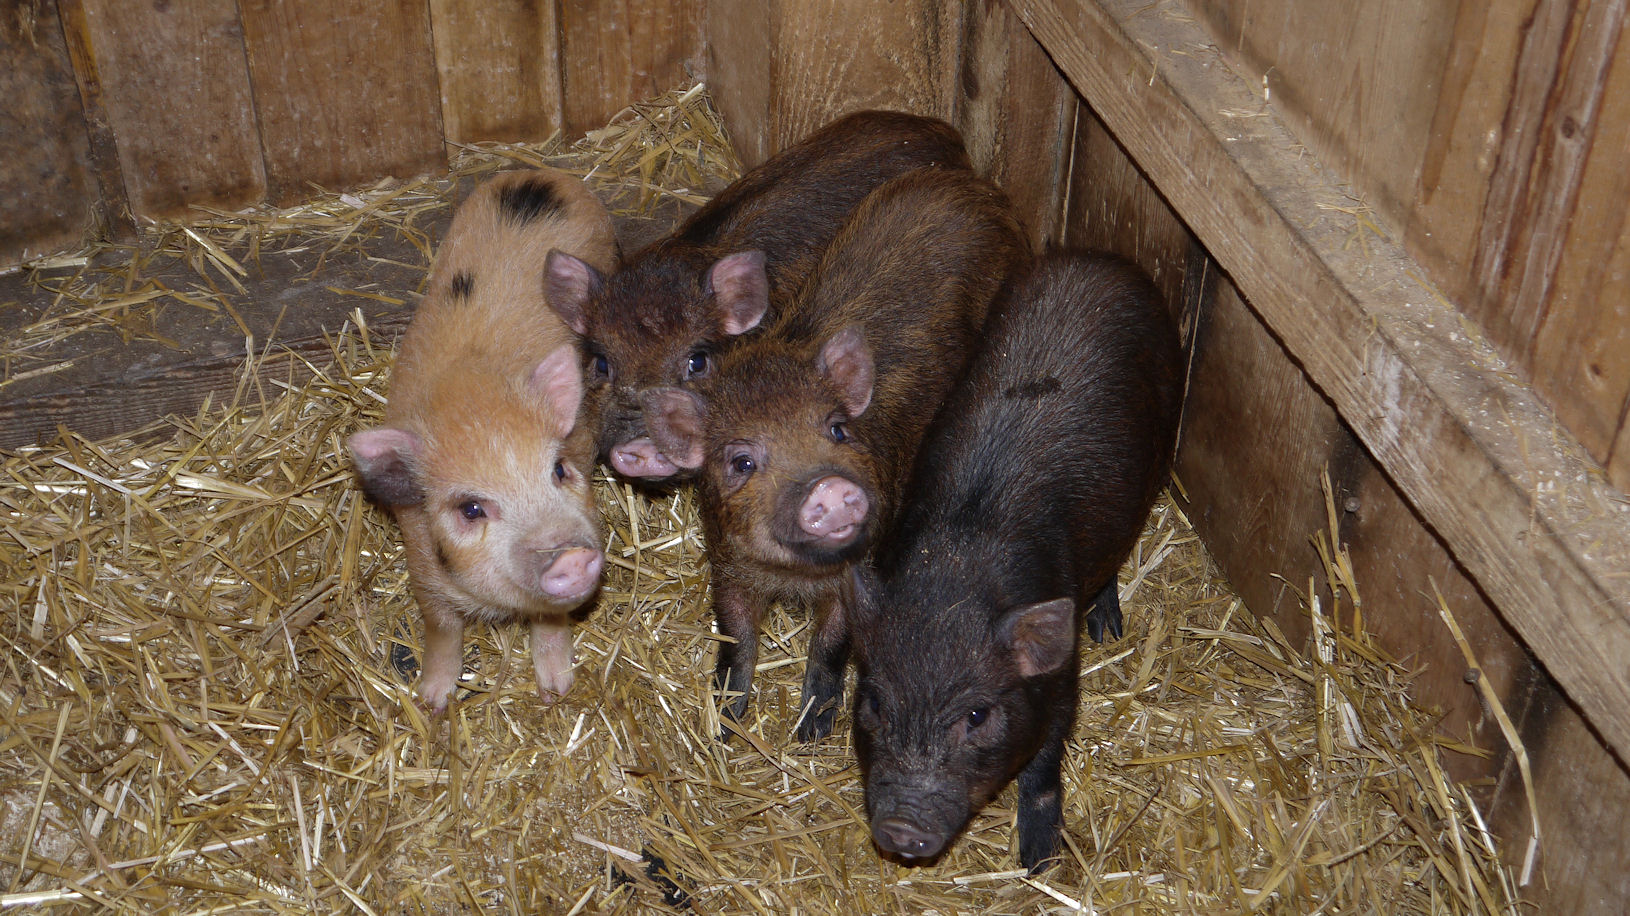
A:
(1026, 498)
(666, 316)
(481, 457)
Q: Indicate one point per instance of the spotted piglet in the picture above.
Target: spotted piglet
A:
(481, 458)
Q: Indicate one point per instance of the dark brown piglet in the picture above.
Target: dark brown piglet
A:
(481, 458)
(664, 317)
(1026, 498)
(803, 434)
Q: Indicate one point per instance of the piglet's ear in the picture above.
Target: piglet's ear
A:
(1041, 637)
(846, 360)
(558, 383)
(675, 419)
(568, 283)
(385, 459)
(740, 289)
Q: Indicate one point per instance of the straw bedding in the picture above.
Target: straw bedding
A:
(208, 655)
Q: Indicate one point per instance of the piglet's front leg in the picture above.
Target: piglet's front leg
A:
(443, 657)
(823, 672)
(552, 657)
(737, 611)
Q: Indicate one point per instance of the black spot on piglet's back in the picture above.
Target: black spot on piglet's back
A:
(1035, 388)
(463, 284)
(529, 200)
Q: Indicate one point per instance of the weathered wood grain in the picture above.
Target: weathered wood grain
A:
(48, 187)
(837, 56)
(1016, 114)
(739, 50)
(1112, 206)
(1581, 350)
(175, 87)
(1524, 510)
(499, 63)
(614, 52)
(345, 90)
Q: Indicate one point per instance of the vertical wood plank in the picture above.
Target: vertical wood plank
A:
(1016, 113)
(739, 51)
(345, 89)
(1582, 794)
(175, 87)
(48, 188)
(837, 56)
(499, 64)
(1560, 75)
(1582, 348)
(1113, 207)
(614, 52)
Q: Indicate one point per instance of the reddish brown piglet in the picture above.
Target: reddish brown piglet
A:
(802, 434)
(481, 458)
(664, 318)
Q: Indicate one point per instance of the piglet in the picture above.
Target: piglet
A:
(482, 459)
(1026, 498)
(803, 434)
(664, 318)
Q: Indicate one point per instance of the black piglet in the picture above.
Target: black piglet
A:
(1028, 493)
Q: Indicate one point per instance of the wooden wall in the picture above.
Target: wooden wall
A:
(1483, 142)
(1491, 138)
(1258, 430)
(121, 109)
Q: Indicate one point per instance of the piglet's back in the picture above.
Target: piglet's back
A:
(484, 310)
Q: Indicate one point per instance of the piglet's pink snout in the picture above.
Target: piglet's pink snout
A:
(834, 509)
(641, 458)
(574, 572)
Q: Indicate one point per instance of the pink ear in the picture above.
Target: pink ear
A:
(568, 283)
(385, 459)
(741, 289)
(558, 382)
(1040, 636)
(846, 359)
(675, 419)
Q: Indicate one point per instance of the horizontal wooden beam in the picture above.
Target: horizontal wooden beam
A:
(1486, 464)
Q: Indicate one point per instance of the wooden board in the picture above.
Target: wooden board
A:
(614, 52)
(1478, 456)
(175, 89)
(1357, 82)
(499, 63)
(1582, 349)
(837, 56)
(345, 90)
(739, 44)
(1112, 206)
(48, 188)
(1016, 114)
(1583, 794)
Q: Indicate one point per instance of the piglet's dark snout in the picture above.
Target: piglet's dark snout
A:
(905, 839)
(833, 510)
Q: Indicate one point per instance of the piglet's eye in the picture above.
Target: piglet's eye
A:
(743, 465)
(560, 471)
(471, 510)
(602, 366)
(697, 365)
(839, 432)
(977, 717)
